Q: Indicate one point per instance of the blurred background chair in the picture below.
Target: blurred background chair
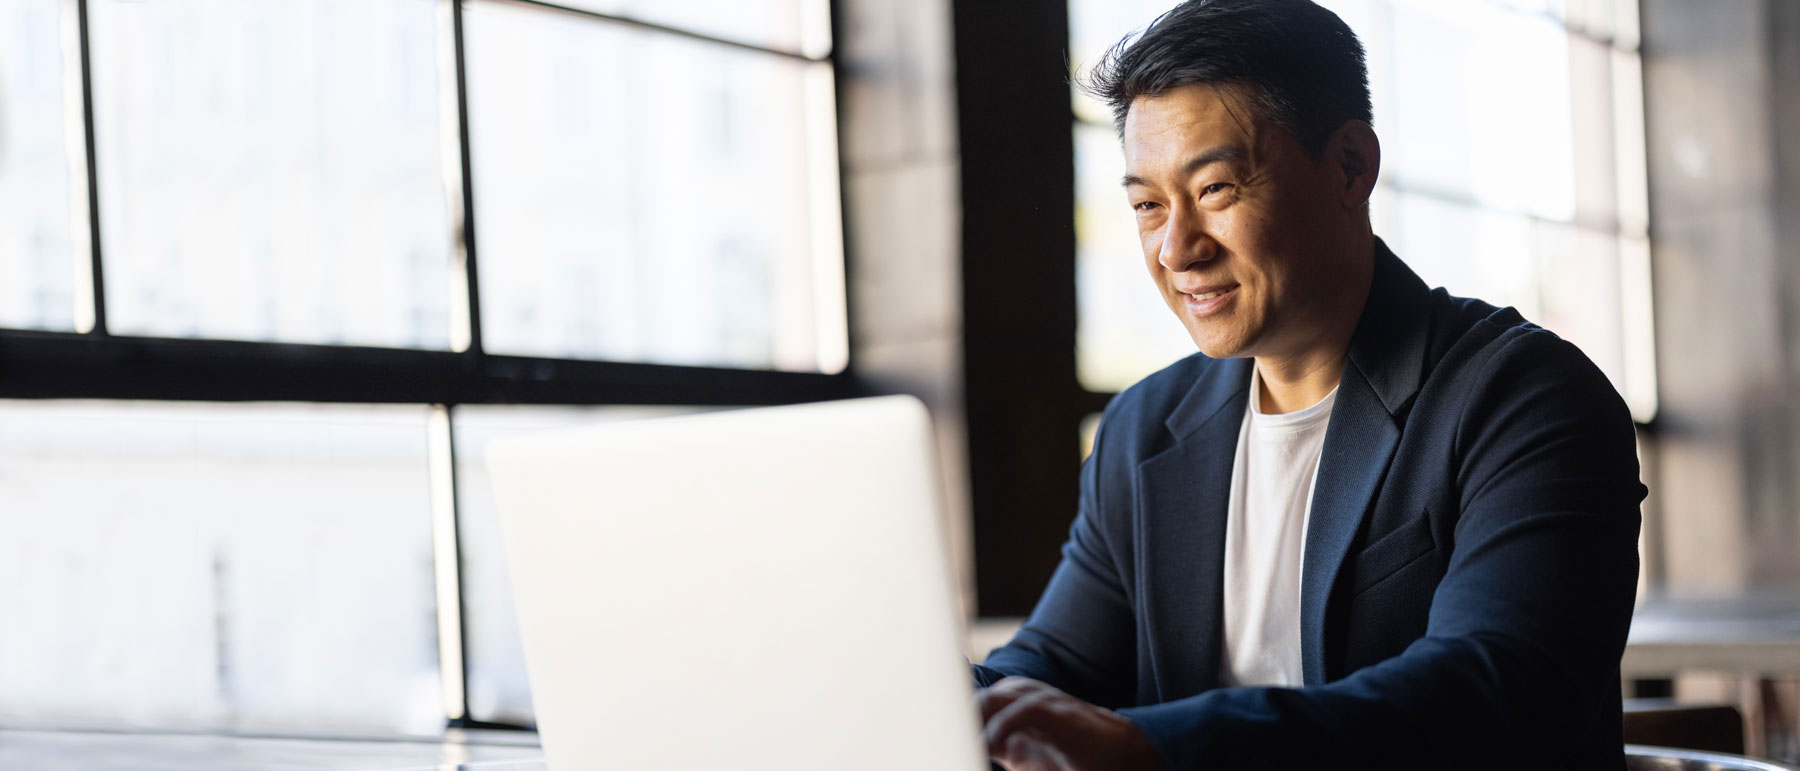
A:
(1641, 758)
(1667, 723)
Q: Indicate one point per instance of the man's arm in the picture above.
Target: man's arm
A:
(1521, 653)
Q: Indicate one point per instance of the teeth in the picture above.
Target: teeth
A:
(1209, 295)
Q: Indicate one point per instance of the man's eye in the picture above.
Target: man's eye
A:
(1144, 206)
(1216, 187)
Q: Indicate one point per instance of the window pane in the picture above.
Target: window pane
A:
(38, 237)
(498, 691)
(645, 197)
(1595, 135)
(1482, 107)
(207, 565)
(271, 170)
(1469, 251)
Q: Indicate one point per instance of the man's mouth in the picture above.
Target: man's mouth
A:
(1206, 301)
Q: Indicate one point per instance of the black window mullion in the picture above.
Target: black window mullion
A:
(460, 587)
(457, 716)
(97, 282)
(465, 225)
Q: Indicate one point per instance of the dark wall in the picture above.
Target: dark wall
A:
(1024, 402)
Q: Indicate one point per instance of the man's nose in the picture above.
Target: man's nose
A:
(1185, 241)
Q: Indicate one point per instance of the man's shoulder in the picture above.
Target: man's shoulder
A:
(1493, 373)
(1476, 342)
(1137, 414)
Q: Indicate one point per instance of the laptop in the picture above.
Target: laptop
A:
(751, 589)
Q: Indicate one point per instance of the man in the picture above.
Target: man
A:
(1369, 524)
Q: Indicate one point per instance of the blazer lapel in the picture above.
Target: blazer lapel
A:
(1381, 375)
(1358, 444)
(1184, 492)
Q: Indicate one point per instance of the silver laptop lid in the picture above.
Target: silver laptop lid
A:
(755, 589)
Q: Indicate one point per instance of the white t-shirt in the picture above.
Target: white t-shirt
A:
(1265, 537)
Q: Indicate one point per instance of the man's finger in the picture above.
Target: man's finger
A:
(1000, 695)
(1027, 750)
(1025, 713)
(1018, 755)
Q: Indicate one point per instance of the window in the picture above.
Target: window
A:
(272, 272)
(1513, 171)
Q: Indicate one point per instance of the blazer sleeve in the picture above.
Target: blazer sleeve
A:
(1521, 653)
(1081, 636)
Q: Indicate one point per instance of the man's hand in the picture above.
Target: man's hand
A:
(1030, 726)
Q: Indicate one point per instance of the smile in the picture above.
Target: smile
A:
(1210, 301)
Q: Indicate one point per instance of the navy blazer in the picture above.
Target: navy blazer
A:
(1470, 561)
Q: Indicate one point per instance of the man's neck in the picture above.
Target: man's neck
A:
(1302, 378)
(1293, 384)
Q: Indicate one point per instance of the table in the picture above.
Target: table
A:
(93, 750)
(1755, 634)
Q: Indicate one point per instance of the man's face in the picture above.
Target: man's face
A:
(1242, 230)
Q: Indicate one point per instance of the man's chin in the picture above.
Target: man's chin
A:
(1216, 348)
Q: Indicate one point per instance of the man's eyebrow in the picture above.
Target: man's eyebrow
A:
(1221, 154)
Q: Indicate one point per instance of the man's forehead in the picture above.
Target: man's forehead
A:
(1171, 126)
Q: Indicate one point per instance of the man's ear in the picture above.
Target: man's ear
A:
(1355, 152)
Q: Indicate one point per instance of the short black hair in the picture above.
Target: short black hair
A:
(1304, 69)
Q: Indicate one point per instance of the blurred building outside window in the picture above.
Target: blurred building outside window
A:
(1512, 170)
